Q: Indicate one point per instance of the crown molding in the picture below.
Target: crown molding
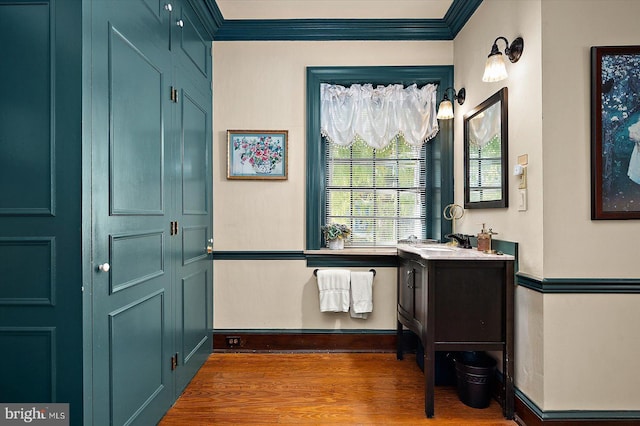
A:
(209, 14)
(344, 29)
(458, 15)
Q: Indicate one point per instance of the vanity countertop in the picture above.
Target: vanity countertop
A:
(447, 252)
(426, 251)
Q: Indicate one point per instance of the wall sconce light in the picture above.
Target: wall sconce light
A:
(445, 109)
(495, 69)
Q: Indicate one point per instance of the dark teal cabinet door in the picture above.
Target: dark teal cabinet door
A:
(131, 202)
(193, 263)
(40, 209)
(191, 52)
(151, 168)
(190, 45)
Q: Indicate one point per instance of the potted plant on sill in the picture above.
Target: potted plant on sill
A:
(335, 234)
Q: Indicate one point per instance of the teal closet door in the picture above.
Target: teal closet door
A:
(40, 204)
(194, 266)
(131, 202)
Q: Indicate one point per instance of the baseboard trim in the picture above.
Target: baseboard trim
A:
(306, 341)
(529, 414)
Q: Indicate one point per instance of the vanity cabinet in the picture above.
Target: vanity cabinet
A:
(458, 303)
(411, 298)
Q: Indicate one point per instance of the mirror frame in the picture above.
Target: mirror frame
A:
(500, 97)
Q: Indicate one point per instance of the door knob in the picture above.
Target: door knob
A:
(104, 267)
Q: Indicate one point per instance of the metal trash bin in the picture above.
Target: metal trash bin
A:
(474, 374)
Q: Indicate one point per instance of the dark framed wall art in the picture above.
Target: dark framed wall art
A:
(615, 132)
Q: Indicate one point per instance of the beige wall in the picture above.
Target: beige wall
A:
(571, 350)
(600, 249)
(268, 294)
(591, 347)
(472, 45)
(584, 331)
(261, 86)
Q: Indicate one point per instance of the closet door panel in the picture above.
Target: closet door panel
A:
(194, 157)
(31, 353)
(40, 209)
(26, 117)
(190, 44)
(139, 256)
(157, 8)
(28, 271)
(137, 340)
(131, 204)
(194, 243)
(194, 290)
(194, 269)
(136, 133)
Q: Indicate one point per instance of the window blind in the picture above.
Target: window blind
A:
(379, 194)
(485, 171)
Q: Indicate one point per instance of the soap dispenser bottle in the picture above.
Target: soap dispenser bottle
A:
(484, 240)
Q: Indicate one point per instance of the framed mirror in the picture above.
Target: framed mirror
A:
(485, 154)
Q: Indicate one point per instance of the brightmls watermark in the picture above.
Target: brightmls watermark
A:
(36, 414)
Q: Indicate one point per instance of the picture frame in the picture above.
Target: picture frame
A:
(486, 156)
(615, 132)
(257, 154)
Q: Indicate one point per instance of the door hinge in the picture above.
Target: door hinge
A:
(174, 95)
(174, 362)
(174, 228)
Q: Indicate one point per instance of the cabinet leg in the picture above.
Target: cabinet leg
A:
(399, 352)
(509, 397)
(429, 369)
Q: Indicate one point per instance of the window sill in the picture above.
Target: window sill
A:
(356, 251)
(353, 256)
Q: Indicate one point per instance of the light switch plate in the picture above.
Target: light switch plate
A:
(522, 200)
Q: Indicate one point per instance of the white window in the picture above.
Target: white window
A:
(409, 176)
(379, 194)
(375, 166)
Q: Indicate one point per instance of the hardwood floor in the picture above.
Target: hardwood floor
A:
(318, 389)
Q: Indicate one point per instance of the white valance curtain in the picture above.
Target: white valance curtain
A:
(378, 115)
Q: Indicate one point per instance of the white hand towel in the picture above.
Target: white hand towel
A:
(361, 294)
(333, 285)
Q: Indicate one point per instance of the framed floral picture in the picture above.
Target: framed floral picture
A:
(257, 154)
(615, 132)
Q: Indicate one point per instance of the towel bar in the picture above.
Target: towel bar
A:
(315, 272)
